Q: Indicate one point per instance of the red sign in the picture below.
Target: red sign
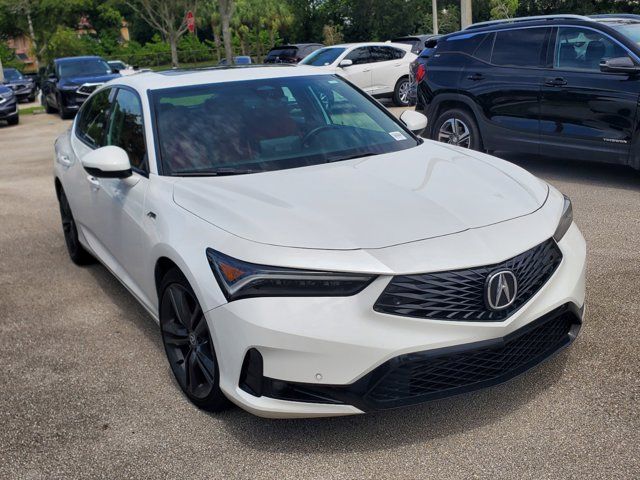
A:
(191, 22)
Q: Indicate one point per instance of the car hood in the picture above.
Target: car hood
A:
(81, 79)
(374, 202)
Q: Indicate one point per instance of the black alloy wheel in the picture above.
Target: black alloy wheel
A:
(76, 251)
(188, 344)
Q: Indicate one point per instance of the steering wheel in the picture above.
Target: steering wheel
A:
(314, 132)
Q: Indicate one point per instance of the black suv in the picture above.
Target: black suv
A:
(69, 81)
(560, 85)
(291, 53)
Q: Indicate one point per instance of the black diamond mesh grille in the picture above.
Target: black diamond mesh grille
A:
(459, 294)
(422, 375)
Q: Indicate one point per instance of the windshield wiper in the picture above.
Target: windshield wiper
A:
(219, 172)
(351, 157)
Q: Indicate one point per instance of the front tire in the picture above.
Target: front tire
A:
(401, 92)
(13, 120)
(457, 127)
(64, 114)
(76, 251)
(188, 345)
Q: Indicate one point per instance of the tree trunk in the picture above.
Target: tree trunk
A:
(174, 49)
(1, 72)
(216, 40)
(33, 38)
(226, 37)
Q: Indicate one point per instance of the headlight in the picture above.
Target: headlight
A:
(69, 86)
(565, 221)
(239, 279)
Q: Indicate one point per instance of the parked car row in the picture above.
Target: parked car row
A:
(567, 86)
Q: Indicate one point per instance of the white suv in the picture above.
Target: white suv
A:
(304, 252)
(380, 69)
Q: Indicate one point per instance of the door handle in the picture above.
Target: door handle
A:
(555, 82)
(95, 183)
(367, 70)
(64, 160)
(475, 77)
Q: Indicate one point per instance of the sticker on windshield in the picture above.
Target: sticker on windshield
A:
(398, 136)
(333, 81)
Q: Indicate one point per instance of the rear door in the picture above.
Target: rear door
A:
(360, 72)
(386, 68)
(503, 78)
(586, 113)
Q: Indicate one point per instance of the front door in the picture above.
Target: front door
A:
(360, 72)
(586, 113)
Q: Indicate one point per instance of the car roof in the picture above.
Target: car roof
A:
(296, 45)
(190, 77)
(403, 46)
(413, 37)
(77, 59)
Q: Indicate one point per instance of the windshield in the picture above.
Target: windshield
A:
(84, 68)
(118, 65)
(630, 30)
(273, 124)
(11, 74)
(324, 56)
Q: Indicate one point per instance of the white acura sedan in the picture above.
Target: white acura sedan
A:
(304, 252)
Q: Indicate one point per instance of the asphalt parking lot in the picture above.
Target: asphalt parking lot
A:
(86, 391)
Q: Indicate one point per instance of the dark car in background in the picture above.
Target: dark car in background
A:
(291, 53)
(417, 68)
(69, 81)
(417, 42)
(561, 85)
(8, 106)
(25, 88)
(239, 60)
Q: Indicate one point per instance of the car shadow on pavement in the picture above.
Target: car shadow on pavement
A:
(589, 173)
(393, 428)
(359, 433)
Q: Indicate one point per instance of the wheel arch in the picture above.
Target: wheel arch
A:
(456, 101)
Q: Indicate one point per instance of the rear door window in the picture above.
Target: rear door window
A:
(519, 48)
(360, 55)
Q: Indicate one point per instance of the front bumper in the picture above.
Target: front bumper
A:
(8, 109)
(25, 92)
(338, 349)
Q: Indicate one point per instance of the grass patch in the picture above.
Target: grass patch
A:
(31, 110)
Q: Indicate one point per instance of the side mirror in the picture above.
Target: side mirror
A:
(107, 162)
(415, 121)
(115, 70)
(345, 63)
(619, 65)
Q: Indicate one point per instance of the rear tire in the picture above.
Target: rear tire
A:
(401, 92)
(457, 127)
(45, 103)
(76, 251)
(188, 345)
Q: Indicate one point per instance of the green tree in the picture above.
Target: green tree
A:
(169, 17)
(503, 8)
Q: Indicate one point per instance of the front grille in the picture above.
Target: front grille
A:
(420, 376)
(460, 294)
(87, 89)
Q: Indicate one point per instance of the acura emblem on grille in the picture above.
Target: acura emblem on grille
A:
(501, 289)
